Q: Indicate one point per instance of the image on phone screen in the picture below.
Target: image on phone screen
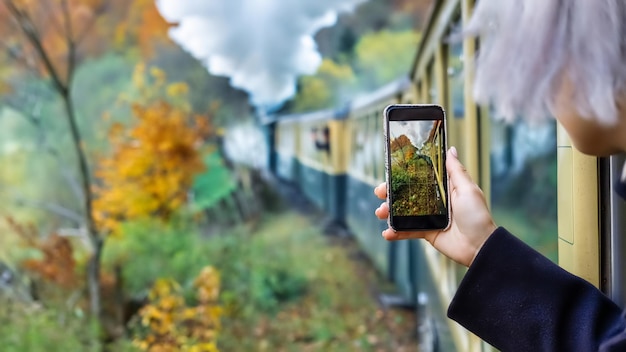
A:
(418, 178)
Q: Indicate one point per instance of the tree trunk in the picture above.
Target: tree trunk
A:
(93, 269)
(93, 279)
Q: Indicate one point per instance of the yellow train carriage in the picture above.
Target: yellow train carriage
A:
(366, 169)
(310, 152)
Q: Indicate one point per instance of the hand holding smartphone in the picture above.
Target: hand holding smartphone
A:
(417, 180)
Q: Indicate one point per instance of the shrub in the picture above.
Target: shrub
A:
(169, 323)
(258, 271)
(151, 249)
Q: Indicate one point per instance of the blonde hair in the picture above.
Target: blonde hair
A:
(525, 46)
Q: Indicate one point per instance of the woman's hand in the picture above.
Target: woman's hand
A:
(471, 220)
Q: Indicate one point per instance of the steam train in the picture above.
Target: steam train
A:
(336, 158)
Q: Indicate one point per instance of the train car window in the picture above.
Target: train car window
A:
(286, 139)
(317, 143)
(367, 147)
(434, 85)
(374, 141)
(423, 94)
(456, 80)
(308, 135)
(524, 181)
(379, 150)
(358, 144)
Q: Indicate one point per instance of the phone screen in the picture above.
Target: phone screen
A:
(417, 177)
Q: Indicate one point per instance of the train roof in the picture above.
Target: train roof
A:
(362, 100)
(385, 92)
(326, 114)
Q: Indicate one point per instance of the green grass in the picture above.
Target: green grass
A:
(329, 303)
(285, 287)
(29, 327)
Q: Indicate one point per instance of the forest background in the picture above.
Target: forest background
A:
(119, 223)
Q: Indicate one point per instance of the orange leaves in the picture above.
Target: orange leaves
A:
(153, 161)
(57, 264)
(47, 35)
(143, 25)
(52, 36)
(170, 325)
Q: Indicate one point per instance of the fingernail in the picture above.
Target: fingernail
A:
(454, 152)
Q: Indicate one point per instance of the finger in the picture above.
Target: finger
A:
(382, 212)
(391, 235)
(381, 191)
(457, 172)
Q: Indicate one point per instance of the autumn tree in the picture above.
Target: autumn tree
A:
(50, 39)
(400, 143)
(403, 145)
(155, 158)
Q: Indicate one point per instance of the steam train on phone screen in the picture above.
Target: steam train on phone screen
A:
(336, 158)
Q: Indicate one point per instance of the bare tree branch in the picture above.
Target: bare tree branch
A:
(52, 19)
(18, 56)
(69, 40)
(52, 208)
(97, 13)
(33, 36)
(35, 119)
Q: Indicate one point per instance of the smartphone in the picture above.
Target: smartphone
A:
(417, 180)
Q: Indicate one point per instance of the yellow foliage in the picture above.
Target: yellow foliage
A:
(386, 55)
(158, 75)
(171, 325)
(322, 90)
(139, 75)
(336, 72)
(153, 162)
(177, 89)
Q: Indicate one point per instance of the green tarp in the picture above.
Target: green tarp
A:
(215, 184)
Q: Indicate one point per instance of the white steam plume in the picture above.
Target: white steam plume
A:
(262, 45)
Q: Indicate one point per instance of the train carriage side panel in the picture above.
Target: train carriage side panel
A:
(269, 131)
(337, 184)
(361, 201)
(314, 159)
(365, 172)
(286, 150)
(320, 160)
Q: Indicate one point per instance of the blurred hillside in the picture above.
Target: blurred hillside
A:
(363, 51)
(372, 16)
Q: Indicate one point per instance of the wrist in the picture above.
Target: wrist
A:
(489, 230)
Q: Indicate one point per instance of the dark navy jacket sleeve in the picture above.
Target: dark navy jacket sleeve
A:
(518, 300)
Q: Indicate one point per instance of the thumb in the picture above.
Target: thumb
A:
(456, 171)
